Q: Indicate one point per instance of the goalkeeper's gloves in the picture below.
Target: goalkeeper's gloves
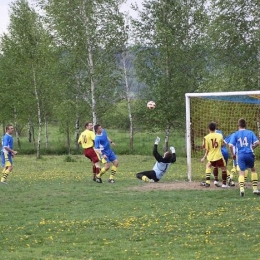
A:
(172, 149)
(157, 140)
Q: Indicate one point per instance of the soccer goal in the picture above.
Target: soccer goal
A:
(224, 108)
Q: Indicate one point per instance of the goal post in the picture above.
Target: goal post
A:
(224, 108)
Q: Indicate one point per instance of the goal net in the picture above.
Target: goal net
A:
(224, 108)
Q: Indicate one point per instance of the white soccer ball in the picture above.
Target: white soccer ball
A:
(151, 104)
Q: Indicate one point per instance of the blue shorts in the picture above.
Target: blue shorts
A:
(245, 161)
(110, 155)
(7, 159)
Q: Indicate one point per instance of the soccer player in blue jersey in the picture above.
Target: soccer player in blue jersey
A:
(7, 153)
(102, 146)
(245, 141)
(160, 167)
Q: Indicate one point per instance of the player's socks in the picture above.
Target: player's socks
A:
(224, 177)
(241, 180)
(102, 171)
(145, 179)
(215, 173)
(113, 172)
(5, 174)
(254, 179)
(208, 173)
(228, 177)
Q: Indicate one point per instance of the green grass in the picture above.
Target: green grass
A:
(51, 209)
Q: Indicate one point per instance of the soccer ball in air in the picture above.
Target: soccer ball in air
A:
(151, 104)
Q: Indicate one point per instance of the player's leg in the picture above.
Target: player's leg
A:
(7, 166)
(254, 175)
(112, 157)
(246, 176)
(215, 173)
(224, 177)
(93, 156)
(241, 178)
(147, 176)
(228, 177)
(208, 173)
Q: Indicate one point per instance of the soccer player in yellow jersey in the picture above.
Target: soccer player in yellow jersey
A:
(86, 139)
(212, 144)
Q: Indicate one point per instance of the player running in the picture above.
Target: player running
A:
(86, 139)
(7, 153)
(102, 146)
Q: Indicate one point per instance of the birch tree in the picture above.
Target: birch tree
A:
(27, 45)
(90, 32)
(170, 56)
(235, 40)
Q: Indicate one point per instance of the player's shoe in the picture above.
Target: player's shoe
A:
(151, 180)
(111, 181)
(257, 192)
(3, 182)
(205, 184)
(242, 193)
(225, 186)
(232, 184)
(98, 180)
(216, 183)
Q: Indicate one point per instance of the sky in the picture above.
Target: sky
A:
(5, 6)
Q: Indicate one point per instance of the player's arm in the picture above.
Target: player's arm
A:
(156, 155)
(205, 156)
(8, 149)
(173, 158)
(231, 144)
(97, 147)
(204, 146)
(255, 144)
(110, 141)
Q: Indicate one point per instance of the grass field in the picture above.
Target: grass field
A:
(51, 209)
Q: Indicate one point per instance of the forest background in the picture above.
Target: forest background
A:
(67, 62)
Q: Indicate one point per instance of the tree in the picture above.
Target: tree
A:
(29, 56)
(170, 55)
(234, 37)
(89, 31)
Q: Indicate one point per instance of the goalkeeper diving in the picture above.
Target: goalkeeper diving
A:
(161, 165)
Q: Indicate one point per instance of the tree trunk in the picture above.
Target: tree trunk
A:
(16, 128)
(46, 132)
(68, 137)
(77, 125)
(128, 98)
(29, 130)
(92, 83)
(38, 113)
